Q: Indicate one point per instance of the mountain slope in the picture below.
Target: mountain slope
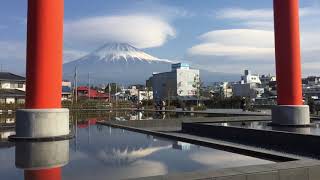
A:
(116, 62)
(123, 63)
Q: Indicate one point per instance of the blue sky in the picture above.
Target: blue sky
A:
(222, 36)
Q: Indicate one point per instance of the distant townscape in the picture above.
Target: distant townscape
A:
(181, 83)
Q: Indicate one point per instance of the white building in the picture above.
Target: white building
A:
(223, 89)
(12, 81)
(66, 90)
(249, 86)
(266, 79)
(133, 91)
(248, 78)
(145, 95)
(181, 82)
(12, 88)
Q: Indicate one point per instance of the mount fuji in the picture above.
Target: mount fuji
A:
(123, 63)
(116, 62)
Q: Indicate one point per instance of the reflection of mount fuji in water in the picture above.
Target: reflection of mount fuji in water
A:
(120, 147)
(123, 63)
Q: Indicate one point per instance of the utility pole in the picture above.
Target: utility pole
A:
(116, 95)
(89, 85)
(109, 87)
(76, 83)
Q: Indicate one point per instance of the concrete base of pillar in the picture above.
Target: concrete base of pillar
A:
(291, 115)
(41, 123)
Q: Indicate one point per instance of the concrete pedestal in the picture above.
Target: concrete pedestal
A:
(34, 129)
(291, 115)
(40, 123)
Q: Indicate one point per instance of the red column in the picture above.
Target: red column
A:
(287, 49)
(44, 65)
(44, 54)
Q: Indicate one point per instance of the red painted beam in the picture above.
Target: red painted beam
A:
(287, 50)
(44, 54)
(44, 65)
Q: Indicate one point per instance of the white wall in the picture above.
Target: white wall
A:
(12, 85)
(145, 95)
(10, 100)
(186, 82)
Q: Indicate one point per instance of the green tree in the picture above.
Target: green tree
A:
(113, 88)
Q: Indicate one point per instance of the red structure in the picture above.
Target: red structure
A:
(287, 46)
(44, 60)
(44, 65)
(44, 54)
(290, 110)
(83, 91)
(87, 123)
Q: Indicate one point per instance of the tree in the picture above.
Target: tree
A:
(199, 87)
(113, 88)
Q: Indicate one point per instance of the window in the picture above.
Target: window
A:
(13, 85)
(20, 85)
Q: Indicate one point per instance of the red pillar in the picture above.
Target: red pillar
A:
(287, 49)
(44, 65)
(44, 54)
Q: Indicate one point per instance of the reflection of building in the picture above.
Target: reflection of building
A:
(181, 146)
(180, 82)
(12, 88)
(6, 134)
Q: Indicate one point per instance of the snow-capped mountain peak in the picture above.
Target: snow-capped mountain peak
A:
(120, 52)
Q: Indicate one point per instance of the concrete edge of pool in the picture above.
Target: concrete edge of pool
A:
(268, 139)
(212, 143)
(294, 170)
(288, 166)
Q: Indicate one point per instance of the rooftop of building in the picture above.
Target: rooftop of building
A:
(11, 93)
(11, 76)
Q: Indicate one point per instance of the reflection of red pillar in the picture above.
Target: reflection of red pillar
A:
(287, 46)
(44, 65)
(45, 174)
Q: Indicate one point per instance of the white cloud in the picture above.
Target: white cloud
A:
(252, 40)
(70, 55)
(239, 43)
(245, 14)
(16, 50)
(142, 31)
(258, 14)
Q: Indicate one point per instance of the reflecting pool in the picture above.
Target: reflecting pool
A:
(100, 152)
